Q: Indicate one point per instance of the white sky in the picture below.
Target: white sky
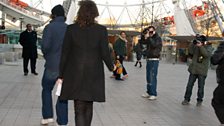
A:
(48, 4)
(160, 10)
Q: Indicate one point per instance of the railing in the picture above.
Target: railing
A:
(30, 13)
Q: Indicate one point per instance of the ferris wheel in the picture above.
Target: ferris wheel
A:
(131, 13)
(45, 5)
(41, 4)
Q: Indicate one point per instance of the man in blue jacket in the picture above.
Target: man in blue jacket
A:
(51, 46)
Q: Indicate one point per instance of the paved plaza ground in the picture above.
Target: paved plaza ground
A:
(20, 99)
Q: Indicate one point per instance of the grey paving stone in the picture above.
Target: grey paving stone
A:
(20, 99)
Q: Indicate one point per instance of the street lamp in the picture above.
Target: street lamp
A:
(21, 23)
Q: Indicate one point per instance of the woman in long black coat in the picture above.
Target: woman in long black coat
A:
(84, 50)
(218, 99)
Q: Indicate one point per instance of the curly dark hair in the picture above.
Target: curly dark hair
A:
(87, 13)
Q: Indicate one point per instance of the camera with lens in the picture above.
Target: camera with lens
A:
(145, 31)
(200, 39)
(195, 42)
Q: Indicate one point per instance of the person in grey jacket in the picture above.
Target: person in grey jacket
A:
(198, 68)
(218, 99)
(51, 47)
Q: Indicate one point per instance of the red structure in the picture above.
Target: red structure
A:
(198, 11)
(19, 3)
(168, 20)
(3, 39)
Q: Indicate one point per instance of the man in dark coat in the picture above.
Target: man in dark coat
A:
(153, 43)
(218, 94)
(28, 39)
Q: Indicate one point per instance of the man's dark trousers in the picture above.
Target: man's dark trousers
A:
(32, 64)
(190, 84)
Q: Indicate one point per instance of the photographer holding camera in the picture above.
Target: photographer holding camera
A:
(200, 52)
(153, 44)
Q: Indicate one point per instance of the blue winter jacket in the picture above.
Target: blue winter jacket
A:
(51, 45)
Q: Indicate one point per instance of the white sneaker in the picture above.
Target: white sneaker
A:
(146, 95)
(152, 97)
(46, 121)
(125, 76)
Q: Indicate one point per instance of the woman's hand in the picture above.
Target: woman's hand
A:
(114, 68)
(59, 85)
(59, 81)
(126, 57)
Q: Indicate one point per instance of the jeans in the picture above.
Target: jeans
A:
(151, 76)
(190, 84)
(218, 102)
(48, 82)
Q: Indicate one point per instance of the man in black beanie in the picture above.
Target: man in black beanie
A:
(51, 45)
(57, 11)
(200, 54)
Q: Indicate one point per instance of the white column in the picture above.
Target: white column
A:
(71, 13)
(183, 26)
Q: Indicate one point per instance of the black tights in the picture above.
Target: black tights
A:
(218, 102)
(83, 112)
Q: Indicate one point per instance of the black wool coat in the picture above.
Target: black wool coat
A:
(29, 42)
(81, 66)
(218, 59)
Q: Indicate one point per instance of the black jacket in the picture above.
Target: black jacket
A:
(83, 52)
(154, 46)
(29, 42)
(137, 48)
(218, 59)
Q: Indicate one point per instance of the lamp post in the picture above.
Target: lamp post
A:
(21, 23)
(152, 21)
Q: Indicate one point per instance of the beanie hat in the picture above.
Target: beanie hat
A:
(201, 38)
(58, 10)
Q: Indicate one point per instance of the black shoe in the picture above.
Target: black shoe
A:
(35, 73)
(140, 64)
(25, 74)
(120, 79)
(136, 63)
(199, 103)
(185, 102)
